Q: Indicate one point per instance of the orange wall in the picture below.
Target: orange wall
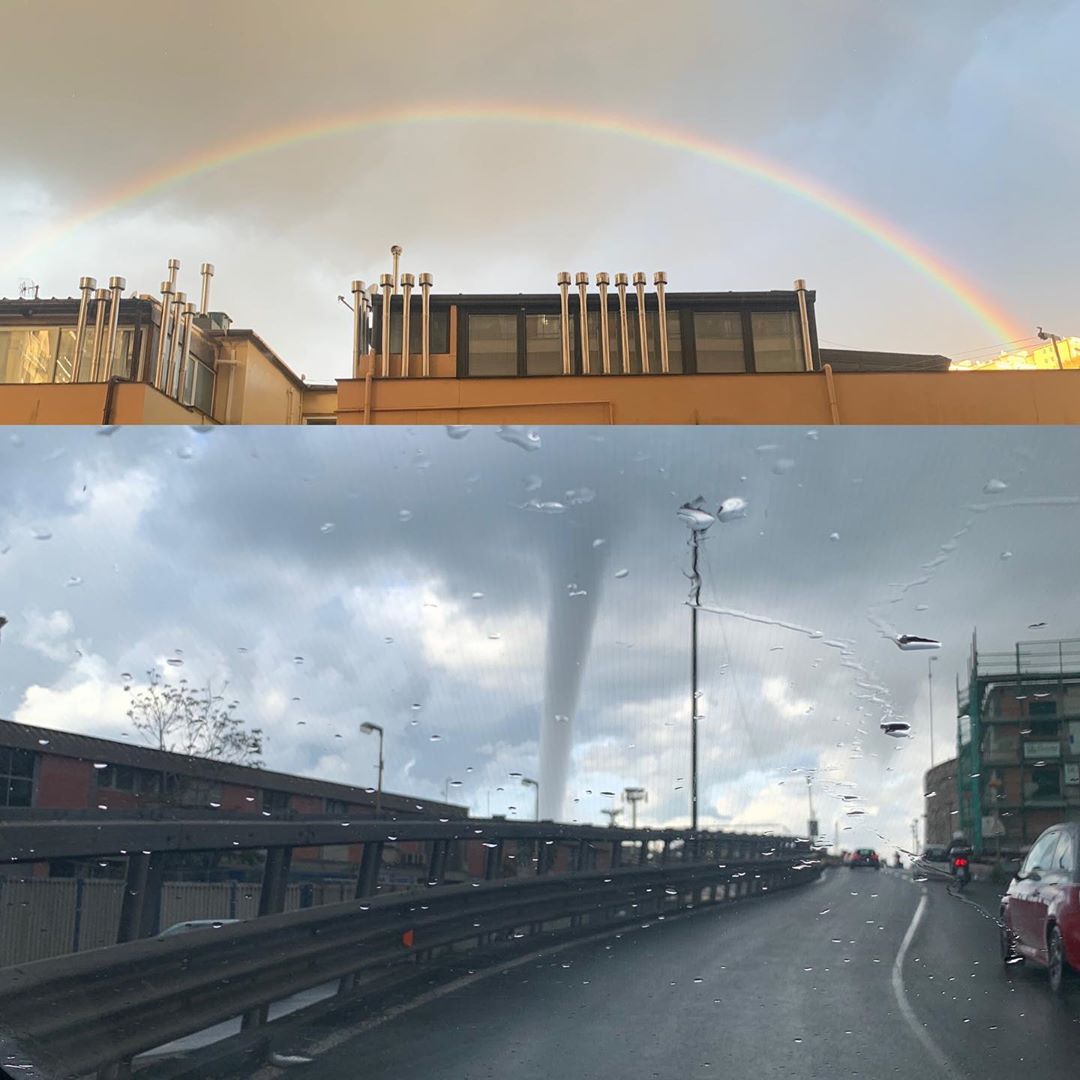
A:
(1013, 397)
(84, 403)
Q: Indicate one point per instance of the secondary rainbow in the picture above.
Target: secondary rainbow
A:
(865, 221)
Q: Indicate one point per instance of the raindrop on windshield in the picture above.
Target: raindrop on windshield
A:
(911, 643)
(175, 661)
(185, 452)
(73, 581)
(599, 542)
(519, 436)
(1006, 555)
(694, 516)
(436, 738)
(533, 482)
(458, 431)
(1036, 625)
(622, 573)
(732, 508)
(327, 528)
(478, 596)
(41, 534)
(834, 536)
(994, 487)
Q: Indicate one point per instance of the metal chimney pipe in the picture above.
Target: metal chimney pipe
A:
(116, 287)
(387, 283)
(174, 269)
(101, 297)
(86, 286)
(643, 335)
(804, 324)
(358, 326)
(159, 353)
(407, 283)
(660, 281)
(207, 272)
(624, 324)
(602, 282)
(396, 252)
(564, 314)
(425, 325)
(188, 316)
(176, 313)
(582, 280)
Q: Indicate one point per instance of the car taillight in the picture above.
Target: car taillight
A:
(961, 862)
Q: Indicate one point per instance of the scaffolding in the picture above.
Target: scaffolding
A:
(1036, 665)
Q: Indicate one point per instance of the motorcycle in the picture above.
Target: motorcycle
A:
(960, 865)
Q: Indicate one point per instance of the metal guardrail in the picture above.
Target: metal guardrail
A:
(71, 1015)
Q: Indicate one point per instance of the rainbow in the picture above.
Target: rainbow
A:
(863, 220)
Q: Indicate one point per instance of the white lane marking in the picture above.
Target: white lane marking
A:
(906, 1010)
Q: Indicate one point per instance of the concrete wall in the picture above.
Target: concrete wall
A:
(1013, 397)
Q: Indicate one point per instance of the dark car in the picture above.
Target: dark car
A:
(1040, 912)
(865, 856)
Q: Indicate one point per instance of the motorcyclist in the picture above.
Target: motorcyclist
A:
(957, 844)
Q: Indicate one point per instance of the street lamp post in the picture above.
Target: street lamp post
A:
(633, 796)
(1045, 335)
(526, 782)
(368, 729)
(930, 684)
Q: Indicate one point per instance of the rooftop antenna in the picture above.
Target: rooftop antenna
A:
(612, 812)
(28, 290)
(345, 302)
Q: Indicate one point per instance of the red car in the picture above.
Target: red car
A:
(865, 856)
(1040, 913)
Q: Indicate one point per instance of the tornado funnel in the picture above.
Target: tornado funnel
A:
(576, 569)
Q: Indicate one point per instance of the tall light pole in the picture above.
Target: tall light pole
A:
(812, 823)
(633, 796)
(526, 782)
(1045, 335)
(698, 519)
(370, 729)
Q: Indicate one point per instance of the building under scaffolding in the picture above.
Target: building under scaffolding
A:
(1018, 743)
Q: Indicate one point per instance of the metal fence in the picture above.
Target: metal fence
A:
(45, 917)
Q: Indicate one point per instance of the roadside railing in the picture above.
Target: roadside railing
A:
(95, 1011)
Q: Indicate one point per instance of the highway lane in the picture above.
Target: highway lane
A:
(800, 984)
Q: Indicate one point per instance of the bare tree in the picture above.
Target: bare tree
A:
(198, 723)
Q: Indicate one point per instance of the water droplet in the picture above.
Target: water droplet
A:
(912, 643)
(73, 581)
(519, 436)
(297, 659)
(458, 431)
(622, 573)
(175, 661)
(405, 515)
(580, 495)
(812, 435)
(898, 729)
(41, 534)
(388, 640)
(994, 487)
(732, 508)
(694, 516)
(1006, 555)
(834, 536)
(185, 452)
(101, 764)
(599, 542)
(436, 738)
(478, 596)
(493, 637)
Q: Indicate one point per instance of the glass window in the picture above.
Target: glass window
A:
(439, 331)
(718, 337)
(1063, 859)
(492, 345)
(1039, 856)
(1043, 782)
(27, 356)
(543, 344)
(275, 800)
(187, 396)
(16, 777)
(777, 341)
(121, 358)
(1042, 708)
(203, 397)
(674, 336)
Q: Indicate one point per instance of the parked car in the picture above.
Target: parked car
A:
(1040, 911)
(196, 924)
(865, 856)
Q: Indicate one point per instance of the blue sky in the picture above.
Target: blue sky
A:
(954, 122)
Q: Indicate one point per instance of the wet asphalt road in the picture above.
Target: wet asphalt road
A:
(797, 985)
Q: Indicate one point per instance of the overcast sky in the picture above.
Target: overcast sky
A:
(329, 577)
(953, 122)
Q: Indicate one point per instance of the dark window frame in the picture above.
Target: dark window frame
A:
(10, 774)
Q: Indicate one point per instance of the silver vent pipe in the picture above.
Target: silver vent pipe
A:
(582, 281)
(159, 353)
(660, 281)
(643, 329)
(179, 300)
(624, 323)
(207, 272)
(395, 251)
(564, 315)
(804, 324)
(86, 286)
(386, 281)
(188, 316)
(407, 283)
(101, 298)
(359, 312)
(116, 287)
(174, 269)
(425, 324)
(602, 282)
